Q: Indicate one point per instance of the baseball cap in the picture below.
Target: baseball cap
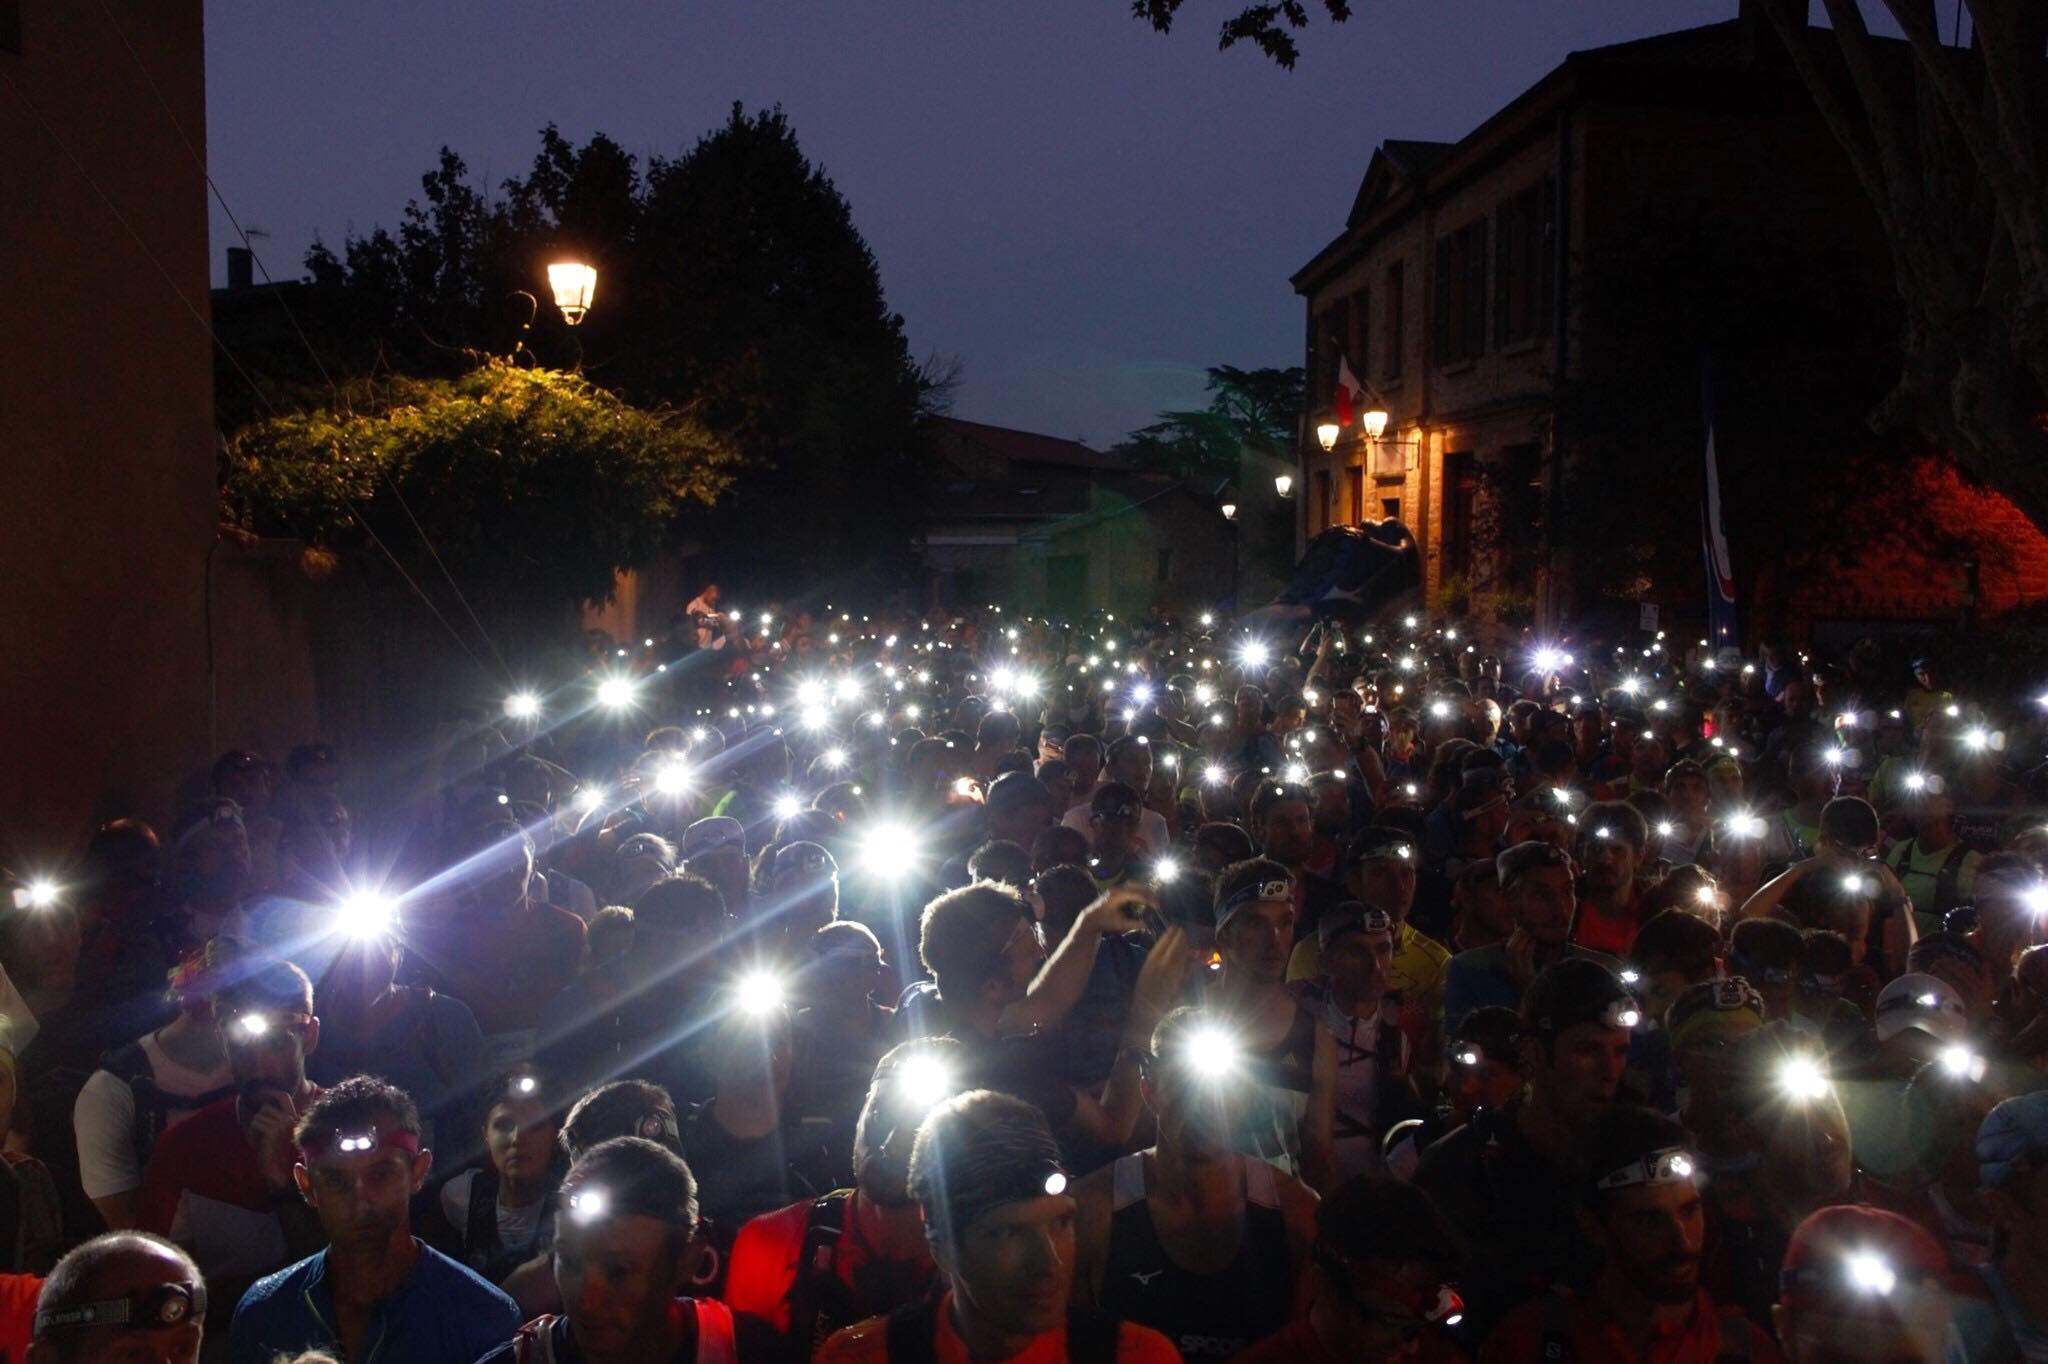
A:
(1376, 841)
(1351, 917)
(711, 833)
(1574, 991)
(1534, 853)
(1855, 1256)
(1918, 1000)
(805, 861)
(2011, 1137)
(1276, 891)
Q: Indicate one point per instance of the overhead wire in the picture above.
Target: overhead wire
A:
(284, 305)
(206, 325)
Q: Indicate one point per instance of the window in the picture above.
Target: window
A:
(1525, 264)
(1164, 573)
(1458, 498)
(1326, 343)
(1458, 330)
(1396, 335)
(1319, 511)
(1354, 479)
(10, 25)
(1359, 348)
(1390, 509)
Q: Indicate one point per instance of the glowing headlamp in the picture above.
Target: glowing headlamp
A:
(1210, 1053)
(40, 893)
(1622, 1013)
(787, 807)
(587, 1205)
(525, 1085)
(1962, 1064)
(1165, 870)
(889, 850)
(1468, 1056)
(1673, 1165)
(673, 779)
(589, 798)
(1802, 1079)
(1870, 1273)
(1254, 653)
(1215, 775)
(522, 705)
(366, 914)
(616, 693)
(925, 1081)
(759, 993)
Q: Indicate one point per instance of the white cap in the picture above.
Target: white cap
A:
(1918, 1000)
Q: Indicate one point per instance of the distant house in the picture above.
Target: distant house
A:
(1056, 528)
(1455, 292)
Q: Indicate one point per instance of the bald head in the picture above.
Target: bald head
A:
(122, 1266)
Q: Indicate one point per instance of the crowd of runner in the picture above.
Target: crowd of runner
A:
(863, 987)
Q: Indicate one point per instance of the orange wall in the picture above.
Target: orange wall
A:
(106, 418)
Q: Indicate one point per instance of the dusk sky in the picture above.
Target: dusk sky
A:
(1082, 212)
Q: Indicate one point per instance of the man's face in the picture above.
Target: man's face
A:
(1062, 789)
(362, 1196)
(1386, 882)
(1687, 793)
(1198, 1115)
(1360, 963)
(1014, 1265)
(1376, 1307)
(617, 1276)
(1332, 811)
(1019, 821)
(1581, 1068)
(1652, 1233)
(1288, 832)
(1541, 900)
(272, 1060)
(1113, 834)
(1484, 906)
(1918, 1335)
(248, 787)
(1023, 955)
(1257, 939)
(1134, 767)
(134, 1271)
(519, 1137)
(1490, 1083)
(1087, 765)
(722, 866)
(1610, 864)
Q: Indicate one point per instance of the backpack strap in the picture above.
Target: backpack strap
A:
(717, 1342)
(1091, 1336)
(913, 1333)
(1557, 1327)
(1945, 880)
(816, 1276)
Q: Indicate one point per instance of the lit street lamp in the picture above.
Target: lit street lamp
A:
(1375, 423)
(1326, 435)
(574, 284)
(1283, 484)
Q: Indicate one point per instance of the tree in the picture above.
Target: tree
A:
(732, 284)
(533, 485)
(1256, 408)
(1951, 145)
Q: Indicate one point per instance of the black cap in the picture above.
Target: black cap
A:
(1577, 990)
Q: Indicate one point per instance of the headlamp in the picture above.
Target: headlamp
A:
(616, 693)
(1802, 1079)
(889, 850)
(525, 1085)
(522, 705)
(1214, 774)
(1622, 1013)
(150, 1309)
(1468, 1056)
(587, 1205)
(366, 914)
(1706, 895)
(1916, 781)
(1870, 1273)
(40, 893)
(1673, 1165)
(1962, 1064)
(787, 807)
(673, 778)
(1165, 871)
(1210, 1053)
(925, 1081)
(759, 993)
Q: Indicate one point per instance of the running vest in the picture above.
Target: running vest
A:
(153, 1104)
(482, 1249)
(1738, 1339)
(1207, 1316)
(913, 1335)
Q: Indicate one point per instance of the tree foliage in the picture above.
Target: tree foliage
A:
(732, 283)
(539, 484)
(1259, 408)
(1950, 143)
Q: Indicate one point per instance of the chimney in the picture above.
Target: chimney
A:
(241, 267)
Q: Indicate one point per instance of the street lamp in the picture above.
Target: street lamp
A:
(1326, 435)
(1283, 484)
(573, 283)
(1374, 423)
(1230, 511)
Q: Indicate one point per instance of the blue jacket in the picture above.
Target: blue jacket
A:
(442, 1313)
